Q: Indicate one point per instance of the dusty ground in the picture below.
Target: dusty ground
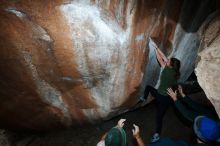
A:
(90, 135)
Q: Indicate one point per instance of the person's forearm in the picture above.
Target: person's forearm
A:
(161, 54)
(158, 54)
(139, 140)
(159, 58)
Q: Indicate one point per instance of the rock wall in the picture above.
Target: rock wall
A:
(68, 62)
(208, 67)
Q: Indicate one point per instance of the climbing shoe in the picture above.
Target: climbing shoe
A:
(155, 137)
(142, 99)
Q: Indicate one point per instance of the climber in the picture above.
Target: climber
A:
(168, 78)
(115, 137)
(202, 133)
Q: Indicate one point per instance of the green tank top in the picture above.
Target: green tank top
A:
(167, 80)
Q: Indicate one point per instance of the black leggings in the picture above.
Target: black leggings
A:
(163, 103)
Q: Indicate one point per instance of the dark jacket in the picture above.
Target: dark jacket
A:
(191, 109)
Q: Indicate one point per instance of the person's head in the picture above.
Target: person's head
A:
(115, 137)
(175, 63)
(206, 129)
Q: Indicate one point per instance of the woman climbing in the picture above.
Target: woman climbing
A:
(168, 79)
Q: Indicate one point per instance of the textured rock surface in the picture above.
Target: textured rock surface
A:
(208, 67)
(3, 138)
(69, 62)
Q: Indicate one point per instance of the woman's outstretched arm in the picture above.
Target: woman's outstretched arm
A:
(162, 59)
(165, 59)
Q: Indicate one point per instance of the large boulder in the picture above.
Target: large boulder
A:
(208, 67)
(68, 62)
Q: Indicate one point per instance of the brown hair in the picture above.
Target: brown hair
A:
(175, 63)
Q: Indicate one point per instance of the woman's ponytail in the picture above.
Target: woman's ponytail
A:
(175, 63)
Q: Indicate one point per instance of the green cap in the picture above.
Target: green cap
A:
(116, 137)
